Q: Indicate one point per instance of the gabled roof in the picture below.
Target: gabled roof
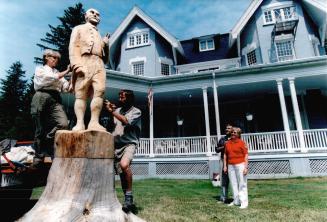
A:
(315, 8)
(244, 20)
(136, 11)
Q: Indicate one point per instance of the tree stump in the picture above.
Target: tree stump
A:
(81, 181)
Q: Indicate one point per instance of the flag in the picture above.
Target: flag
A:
(150, 99)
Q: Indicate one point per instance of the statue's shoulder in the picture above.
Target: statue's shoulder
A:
(81, 26)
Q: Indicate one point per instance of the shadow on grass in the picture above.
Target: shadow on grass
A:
(15, 202)
(13, 209)
(229, 200)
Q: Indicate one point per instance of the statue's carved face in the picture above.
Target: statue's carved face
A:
(92, 16)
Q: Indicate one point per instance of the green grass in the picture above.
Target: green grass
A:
(300, 199)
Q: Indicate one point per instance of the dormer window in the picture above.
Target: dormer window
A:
(251, 58)
(279, 13)
(268, 17)
(206, 45)
(138, 38)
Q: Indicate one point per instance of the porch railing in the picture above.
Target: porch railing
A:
(270, 142)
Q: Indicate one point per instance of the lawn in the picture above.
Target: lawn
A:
(163, 200)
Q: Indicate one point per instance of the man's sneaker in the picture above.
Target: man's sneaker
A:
(128, 203)
(231, 204)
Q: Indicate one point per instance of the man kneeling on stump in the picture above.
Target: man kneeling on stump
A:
(126, 131)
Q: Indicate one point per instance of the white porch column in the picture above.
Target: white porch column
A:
(206, 116)
(215, 97)
(284, 114)
(151, 125)
(297, 114)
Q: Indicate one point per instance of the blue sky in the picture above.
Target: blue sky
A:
(24, 22)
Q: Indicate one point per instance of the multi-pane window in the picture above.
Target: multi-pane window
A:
(251, 58)
(203, 45)
(268, 16)
(138, 39)
(131, 41)
(206, 45)
(279, 15)
(287, 13)
(284, 50)
(165, 69)
(145, 38)
(138, 68)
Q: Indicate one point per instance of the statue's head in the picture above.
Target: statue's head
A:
(92, 16)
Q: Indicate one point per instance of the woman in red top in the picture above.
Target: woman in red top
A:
(236, 162)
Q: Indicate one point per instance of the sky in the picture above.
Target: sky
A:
(24, 22)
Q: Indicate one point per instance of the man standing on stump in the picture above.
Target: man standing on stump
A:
(88, 53)
(46, 108)
(126, 131)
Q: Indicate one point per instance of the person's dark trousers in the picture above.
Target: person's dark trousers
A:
(39, 136)
(39, 103)
(224, 187)
(48, 116)
(57, 121)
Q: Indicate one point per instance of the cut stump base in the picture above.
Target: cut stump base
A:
(81, 181)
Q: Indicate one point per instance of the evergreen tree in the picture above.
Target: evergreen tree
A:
(58, 37)
(26, 129)
(12, 95)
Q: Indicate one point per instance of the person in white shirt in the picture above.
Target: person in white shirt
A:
(46, 108)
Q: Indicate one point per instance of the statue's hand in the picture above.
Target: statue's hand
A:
(71, 88)
(106, 38)
(80, 70)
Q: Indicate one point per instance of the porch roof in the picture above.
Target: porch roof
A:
(286, 65)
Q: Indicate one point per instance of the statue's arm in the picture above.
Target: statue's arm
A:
(75, 49)
(105, 48)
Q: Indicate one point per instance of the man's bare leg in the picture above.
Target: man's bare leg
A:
(79, 107)
(127, 182)
(96, 106)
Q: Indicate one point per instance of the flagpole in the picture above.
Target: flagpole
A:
(150, 101)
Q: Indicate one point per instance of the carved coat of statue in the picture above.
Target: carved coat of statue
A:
(88, 53)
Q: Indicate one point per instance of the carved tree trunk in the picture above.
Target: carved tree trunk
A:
(81, 181)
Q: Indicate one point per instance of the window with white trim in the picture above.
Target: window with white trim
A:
(279, 14)
(138, 68)
(136, 39)
(251, 58)
(206, 45)
(165, 69)
(285, 50)
(268, 16)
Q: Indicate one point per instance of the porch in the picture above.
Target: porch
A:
(269, 156)
(315, 140)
